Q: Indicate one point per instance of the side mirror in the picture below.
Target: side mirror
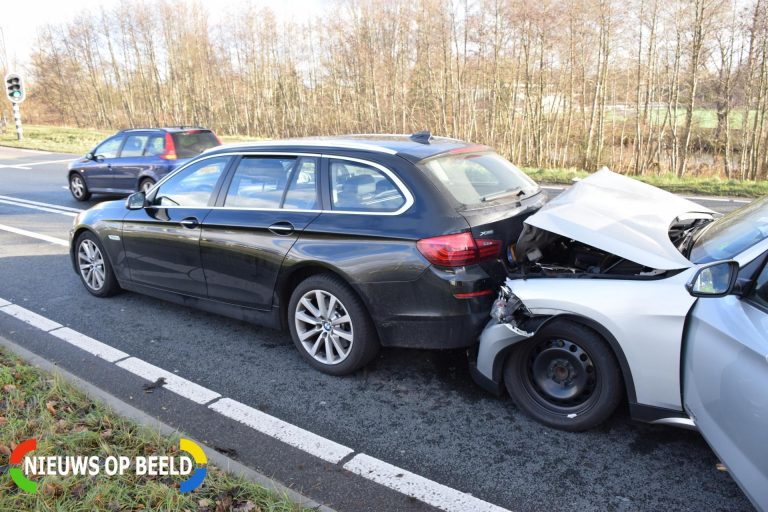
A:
(136, 201)
(90, 156)
(716, 279)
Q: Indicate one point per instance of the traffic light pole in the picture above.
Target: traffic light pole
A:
(17, 118)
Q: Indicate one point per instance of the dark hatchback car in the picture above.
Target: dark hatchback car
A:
(136, 159)
(350, 242)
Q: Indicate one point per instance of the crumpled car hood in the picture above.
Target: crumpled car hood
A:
(621, 216)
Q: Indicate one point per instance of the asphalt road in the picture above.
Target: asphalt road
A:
(418, 410)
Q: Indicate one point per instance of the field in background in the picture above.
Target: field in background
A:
(81, 140)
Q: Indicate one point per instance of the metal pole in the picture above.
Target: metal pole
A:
(17, 118)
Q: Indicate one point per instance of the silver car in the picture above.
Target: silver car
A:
(620, 289)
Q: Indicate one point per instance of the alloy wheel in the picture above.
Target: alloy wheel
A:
(91, 264)
(146, 185)
(324, 327)
(77, 186)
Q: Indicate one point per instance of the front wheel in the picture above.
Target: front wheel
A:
(78, 188)
(565, 377)
(94, 267)
(330, 325)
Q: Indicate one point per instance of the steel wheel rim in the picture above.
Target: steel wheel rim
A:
(324, 327)
(91, 264)
(561, 375)
(78, 187)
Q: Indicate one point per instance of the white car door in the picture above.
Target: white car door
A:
(725, 387)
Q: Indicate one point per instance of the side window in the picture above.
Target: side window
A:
(109, 148)
(155, 146)
(760, 293)
(359, 187)
(259, 182)
(193, 186)
(134, 146)
(302, 192)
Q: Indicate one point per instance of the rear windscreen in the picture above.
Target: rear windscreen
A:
(480, 179)
(192, 143)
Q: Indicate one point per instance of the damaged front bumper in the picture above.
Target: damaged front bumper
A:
(502, 334)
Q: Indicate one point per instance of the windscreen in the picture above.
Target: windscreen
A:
(192, 143)
(732, 234)
(476, 180)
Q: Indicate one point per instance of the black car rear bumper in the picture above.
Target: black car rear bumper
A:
(426, 313)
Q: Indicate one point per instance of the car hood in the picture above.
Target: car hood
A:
(622, 216)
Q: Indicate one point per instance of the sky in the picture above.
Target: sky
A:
(18, 26)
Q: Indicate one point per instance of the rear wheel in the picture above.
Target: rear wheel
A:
(146, 184)
(78, 188)
(93, 266)
(330, 325)
(566, 377)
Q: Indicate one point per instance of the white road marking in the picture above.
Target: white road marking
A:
(415, 486)
(282, 431)
(88, 344)
(173, 382)
(38, 203)
(30, 318)
(50, 162)
(41, 208)
(393, 477)
(39, 236)
(15, 167)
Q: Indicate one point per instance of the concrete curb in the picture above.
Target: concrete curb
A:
(126, 410)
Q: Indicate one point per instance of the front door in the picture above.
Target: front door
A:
(98, 172)
(162, 240)
(726, 382)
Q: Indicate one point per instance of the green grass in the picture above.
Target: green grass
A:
(34, 404)
(58, 139)
(684, 185)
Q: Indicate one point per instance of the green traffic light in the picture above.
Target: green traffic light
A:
(15, 94)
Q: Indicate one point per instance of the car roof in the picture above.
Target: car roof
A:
(414, 147)
(169, 129)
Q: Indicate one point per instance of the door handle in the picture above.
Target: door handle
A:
(189, 222)
(282, 228)
(109, 167)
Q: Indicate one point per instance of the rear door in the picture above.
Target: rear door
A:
(726, 382)
(264, 206)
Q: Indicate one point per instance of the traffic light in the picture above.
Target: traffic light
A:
(14, 88)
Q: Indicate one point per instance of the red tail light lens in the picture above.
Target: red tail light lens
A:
(170, 148)
(457, 250)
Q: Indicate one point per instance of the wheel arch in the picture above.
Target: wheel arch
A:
(289, 280)
(626, 371)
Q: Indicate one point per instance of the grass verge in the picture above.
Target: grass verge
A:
(34, 404)
(684, 185)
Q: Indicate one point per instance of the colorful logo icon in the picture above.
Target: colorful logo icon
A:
(194, 481)
(17, 474)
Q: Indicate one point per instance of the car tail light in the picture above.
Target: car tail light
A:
(170, 148)
(472, 295)
(457, 250)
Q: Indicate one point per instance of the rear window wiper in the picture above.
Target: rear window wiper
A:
(504, 193)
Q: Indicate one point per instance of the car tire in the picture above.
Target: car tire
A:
(93, 266)
(78, 188)
(146, 184)
(565, 377)
(322, 337)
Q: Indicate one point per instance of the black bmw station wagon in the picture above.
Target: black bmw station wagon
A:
(350, 242)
